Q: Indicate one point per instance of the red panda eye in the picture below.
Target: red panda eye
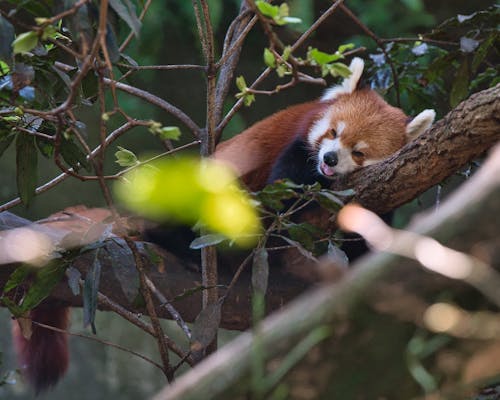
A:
(357, 153)
(333, 132)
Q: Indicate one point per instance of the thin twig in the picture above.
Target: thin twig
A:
(108, 304)
(170, 308)
(102, 341)
(128, 39)
(236, 107)
(380, 44)
(146, 293)
(157, 101)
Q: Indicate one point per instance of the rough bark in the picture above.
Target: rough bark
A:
(464, 134)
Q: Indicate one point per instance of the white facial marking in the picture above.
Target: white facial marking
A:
(360, 145)
(345, 162)
(340, 128)
(320, 127)
(349, 84)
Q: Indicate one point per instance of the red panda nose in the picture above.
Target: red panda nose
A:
(330, 159)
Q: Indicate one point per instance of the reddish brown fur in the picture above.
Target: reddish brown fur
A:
(367, 116)
(371, 120)
(253, 152)
(44, 357)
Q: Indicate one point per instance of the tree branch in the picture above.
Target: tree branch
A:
(464, 134)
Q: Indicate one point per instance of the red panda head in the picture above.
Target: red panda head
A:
(360, 128)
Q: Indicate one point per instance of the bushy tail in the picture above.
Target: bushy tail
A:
(44, 357)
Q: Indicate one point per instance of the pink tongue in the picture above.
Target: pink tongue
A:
(328, 171)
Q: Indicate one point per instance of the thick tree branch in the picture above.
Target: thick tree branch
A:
(464, 134)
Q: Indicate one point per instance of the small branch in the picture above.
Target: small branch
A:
(102, 341)
(167, 369)
(128, 39)
(380, 44)
(420, 39)
(170, 308)
(148, 328)
(157, 101)
(162, 67)
(58, 179)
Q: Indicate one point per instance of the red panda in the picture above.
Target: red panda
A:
(347, 128)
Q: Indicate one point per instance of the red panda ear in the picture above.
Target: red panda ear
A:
(420, 123)
(349, 84)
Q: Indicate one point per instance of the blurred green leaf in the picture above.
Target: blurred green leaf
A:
(188, 191)
(25, 42)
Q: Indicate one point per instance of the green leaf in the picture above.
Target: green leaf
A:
(460, 87)
(126, 10)
(249, 99)
(16, 278)
(7, 35)
(207, 240)
(46, 279)
(26, 161)
(317, 57)
(25, 42)
(306, 253)
(73, 155)
(260, 271)
(302, 233)
(112, 44)
(90, 292)
(329, 201)
(269, 58)
(49, 31)
(482, 51)
(125, 158)
(46, 147)
(241, 83)
(205, 328)
(340, 69)
(266, 9)
(169, 133)
(344, 47)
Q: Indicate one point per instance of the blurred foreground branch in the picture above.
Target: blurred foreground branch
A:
(383, 282)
